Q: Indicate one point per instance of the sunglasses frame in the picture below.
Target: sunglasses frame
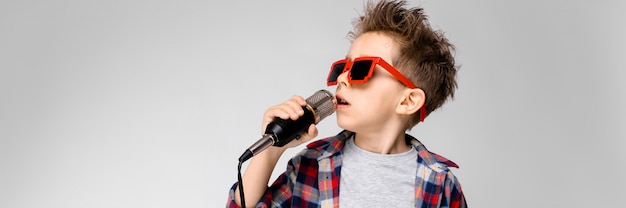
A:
(375, 61)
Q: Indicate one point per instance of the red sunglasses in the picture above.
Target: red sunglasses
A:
(361, 69)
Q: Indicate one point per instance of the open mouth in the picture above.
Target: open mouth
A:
(341, 101)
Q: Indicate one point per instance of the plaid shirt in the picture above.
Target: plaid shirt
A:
(312, 178)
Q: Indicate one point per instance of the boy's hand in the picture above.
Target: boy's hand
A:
(290, 109)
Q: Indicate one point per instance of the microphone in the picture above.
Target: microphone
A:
(280, 131)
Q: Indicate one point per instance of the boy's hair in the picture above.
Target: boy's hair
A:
(425, 54)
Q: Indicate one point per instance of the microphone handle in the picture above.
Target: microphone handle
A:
(280, 132)
(262, 144)
(284, 131)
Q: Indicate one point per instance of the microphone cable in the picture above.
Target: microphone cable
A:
(242, 199)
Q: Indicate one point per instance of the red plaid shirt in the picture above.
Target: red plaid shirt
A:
(312, 178)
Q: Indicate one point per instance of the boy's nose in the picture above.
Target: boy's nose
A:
(342, 79)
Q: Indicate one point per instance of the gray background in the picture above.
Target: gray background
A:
(142, 103)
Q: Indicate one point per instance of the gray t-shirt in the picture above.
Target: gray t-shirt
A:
(377, 180)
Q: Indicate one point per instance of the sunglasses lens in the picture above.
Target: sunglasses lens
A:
(335, 72)
(360, 69)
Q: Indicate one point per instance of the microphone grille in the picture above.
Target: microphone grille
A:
(322, 103)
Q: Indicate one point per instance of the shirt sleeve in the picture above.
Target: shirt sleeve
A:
(453, 195)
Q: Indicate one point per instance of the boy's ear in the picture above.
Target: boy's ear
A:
(411, 101)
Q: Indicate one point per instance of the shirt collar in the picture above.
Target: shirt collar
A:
(333, 145)
(432, 159)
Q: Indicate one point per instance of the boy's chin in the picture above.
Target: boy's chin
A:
(344, 124)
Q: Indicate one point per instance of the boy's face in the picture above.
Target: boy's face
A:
(370, 106)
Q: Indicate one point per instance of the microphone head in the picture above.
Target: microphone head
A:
(322, 103)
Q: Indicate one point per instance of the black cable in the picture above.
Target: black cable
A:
(241, 195)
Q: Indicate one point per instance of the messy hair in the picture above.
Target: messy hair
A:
(426, 56)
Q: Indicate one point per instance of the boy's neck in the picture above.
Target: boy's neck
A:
(382, 142)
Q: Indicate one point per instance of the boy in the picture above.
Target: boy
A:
(397, 71)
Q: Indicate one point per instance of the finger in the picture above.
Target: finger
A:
(313, 130)
(271, 114)
(311, 133)
(280, 111)
(294, 109)
(299, 99)
(290, 109)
